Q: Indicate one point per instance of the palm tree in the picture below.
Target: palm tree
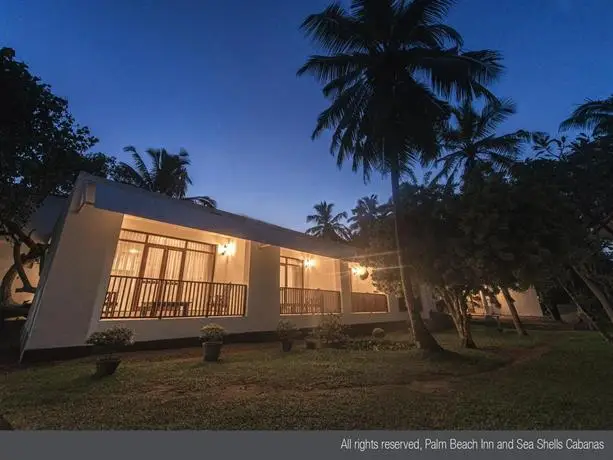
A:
(327, 225)
(596, 115)
(472, 141)
(367, 210)
(167, 174)
(543, 145)
(389, 69)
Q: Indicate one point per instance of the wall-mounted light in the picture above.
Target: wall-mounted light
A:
(227, 249)
(361, 272)
(309, 263)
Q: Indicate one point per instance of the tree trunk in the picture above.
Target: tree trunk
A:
(519, 327)
(18, 260)
(587, 315)
(467, 336)
(422, 336)
(458, 310)
(602, 298)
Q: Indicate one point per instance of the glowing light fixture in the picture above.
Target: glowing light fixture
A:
(309, 263)
(133, 251)
(227, 249)
(358, 270)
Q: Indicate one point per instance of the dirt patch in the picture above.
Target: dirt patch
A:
(525, 355)
(431, 386)
(232, 392)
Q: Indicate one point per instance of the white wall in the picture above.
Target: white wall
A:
(70, 304)
(526, 303)
(76, 283)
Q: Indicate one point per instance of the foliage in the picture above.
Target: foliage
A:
(167, 174)
(43, 148)
(378, 344)
(472, 141)
(286, 330)
(327, 224)
(212, 333)
(364, 215)
(112, 339)
(378, 333)
(389, 71)
(595, 115)
(331, 330)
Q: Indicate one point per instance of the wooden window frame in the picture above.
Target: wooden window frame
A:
(283, 262)
(183, 250)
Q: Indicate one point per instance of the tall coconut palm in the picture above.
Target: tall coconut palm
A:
(471, 141)
(367, 210)
(167, 173)
(389, 68)
(327, 224)
(594, 115)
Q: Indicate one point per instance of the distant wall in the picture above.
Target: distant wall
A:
(526, 303)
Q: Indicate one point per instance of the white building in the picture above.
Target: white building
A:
(163, 267)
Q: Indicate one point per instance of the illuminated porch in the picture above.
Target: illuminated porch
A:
(165, 271)
(309, 284)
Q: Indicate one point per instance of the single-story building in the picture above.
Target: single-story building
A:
(164, 267)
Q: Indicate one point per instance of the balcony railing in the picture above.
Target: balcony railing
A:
(362, 302)
(131, 297)
(298, 301)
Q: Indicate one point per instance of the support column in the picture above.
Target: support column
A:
(345, 275)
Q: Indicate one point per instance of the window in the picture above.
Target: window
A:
(144, 255)
(291, 273)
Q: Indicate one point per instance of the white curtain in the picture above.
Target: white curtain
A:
(127, 260)
(198, 266)
(153, 264)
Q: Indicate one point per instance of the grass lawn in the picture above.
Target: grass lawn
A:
(550, 380)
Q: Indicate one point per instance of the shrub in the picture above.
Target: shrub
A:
(212, 333)
(286, 330)
(378, 333)
(371, 344)
(111, 340)
(331, 330)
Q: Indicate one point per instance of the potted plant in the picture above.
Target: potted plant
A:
(287, 332)
(107, 343)
(211, 337)
(378, 333)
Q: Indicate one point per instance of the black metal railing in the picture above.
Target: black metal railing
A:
(132, 297)
(362, 302)
(299, 301)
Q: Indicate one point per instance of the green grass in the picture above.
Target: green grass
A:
(550, 380)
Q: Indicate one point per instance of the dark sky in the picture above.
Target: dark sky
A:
(218, 79)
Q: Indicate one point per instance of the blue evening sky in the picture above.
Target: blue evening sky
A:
(218, 79)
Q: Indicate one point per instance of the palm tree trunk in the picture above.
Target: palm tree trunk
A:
(519, 327)
(422, 336)
(602, 298)
(587, 315)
